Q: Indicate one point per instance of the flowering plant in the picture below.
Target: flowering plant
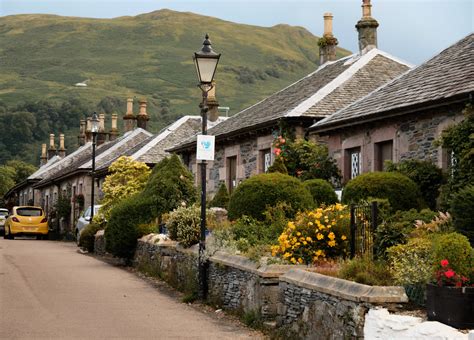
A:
(446, 276)
(279, 146)
(314, 235)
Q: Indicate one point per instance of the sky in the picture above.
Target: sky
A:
(413, 30)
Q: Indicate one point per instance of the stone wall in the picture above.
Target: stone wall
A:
(305, 305)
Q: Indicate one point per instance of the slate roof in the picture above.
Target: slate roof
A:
(448, 74)
(331, 87)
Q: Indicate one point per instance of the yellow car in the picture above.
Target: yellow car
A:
(26, 221)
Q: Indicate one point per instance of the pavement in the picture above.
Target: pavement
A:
(48, 290)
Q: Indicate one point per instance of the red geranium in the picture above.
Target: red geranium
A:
(446, 276)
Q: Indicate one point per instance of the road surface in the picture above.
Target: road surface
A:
(50, 291)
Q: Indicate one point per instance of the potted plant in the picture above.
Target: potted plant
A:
(451, 299)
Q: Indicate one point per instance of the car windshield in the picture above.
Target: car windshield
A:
(3, 213)
(29, 211)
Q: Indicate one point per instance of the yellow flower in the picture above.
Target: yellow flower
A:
(320, 236)
(310, 224)
(300, 260)
(293, 260)
(309, 239)
(298, 234)
(286, 255)
(291, 225)
(332, 243)
(343, 237)
(331, 236)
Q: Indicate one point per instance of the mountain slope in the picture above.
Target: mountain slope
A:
(43, 56)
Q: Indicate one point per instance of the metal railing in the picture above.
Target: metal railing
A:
(363, 225)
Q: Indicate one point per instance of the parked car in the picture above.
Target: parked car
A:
(3, 217)
(84, 221)
(26, 220)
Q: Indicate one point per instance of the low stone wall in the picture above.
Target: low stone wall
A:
(99, 243)
(304, 304)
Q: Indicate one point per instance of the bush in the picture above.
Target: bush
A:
(317, 234)
(402, 192)
(123, 230)
(169, 186)
(87, 237)
(252, 196)
(366, 271)
(396, 228)
(425, 174)
(462, 209)
(184, 224)
(411, 263)
(278, 166)
(221, 198)
(322, 192)
(457, 250)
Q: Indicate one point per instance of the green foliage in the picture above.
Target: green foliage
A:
(402, 192)
(308, 160)
(425, 174)
(253, 319)
(7, 181)
(22, 169)
(412, 263)
(123, 229)
(366, 271)
(460, 140)
(126, 178)
(322, 191)
(221, 198)
(396, 228)
(87, 237)
(278, 166)
(456, 249)
(253, 195)
(169, 186)
(462, 209)
(13, 172)
(63, 207)
(184, 224)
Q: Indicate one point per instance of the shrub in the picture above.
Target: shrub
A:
(122, 229)
(169, 186)
(87, 237)
(184, 224)
(126, 178)
(411, 263)
(313, 235)
(456, 249)
(221, 198)
(425, 174)
(252, 196)
(322, 191)
(402, 192)
(278, 166)
(462, 209)
(396, 228)
(366, 271)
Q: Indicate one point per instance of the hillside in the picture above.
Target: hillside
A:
(42, 57)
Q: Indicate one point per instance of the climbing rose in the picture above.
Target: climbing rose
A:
(444, 263)
(449, 273)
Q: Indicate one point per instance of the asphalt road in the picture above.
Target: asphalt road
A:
(50, 291)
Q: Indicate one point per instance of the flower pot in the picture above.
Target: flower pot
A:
(452, 306)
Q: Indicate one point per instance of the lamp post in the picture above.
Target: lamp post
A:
(206, 61)
(94, 131)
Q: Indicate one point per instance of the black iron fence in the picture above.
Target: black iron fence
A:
(364, 218)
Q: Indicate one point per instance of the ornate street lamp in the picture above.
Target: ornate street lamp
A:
(94, 130)
(206, 61)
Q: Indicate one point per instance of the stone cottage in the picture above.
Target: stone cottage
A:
(402, 119)
(244, 141)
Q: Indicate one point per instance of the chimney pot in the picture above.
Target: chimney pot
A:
(213, 104)
(129, 118)
(367, 28)
(101, 122)
(327, 44)
(328, 24)
(44, 156)
(142, 116)
(62, 149)
(113, 131)
(51, 141)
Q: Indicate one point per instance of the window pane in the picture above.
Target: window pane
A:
(29, 212)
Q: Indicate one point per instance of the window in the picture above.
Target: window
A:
(265, 160)
(383, 151)
(353, 163)
(231, 173)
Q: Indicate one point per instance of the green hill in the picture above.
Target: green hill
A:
(42, 57)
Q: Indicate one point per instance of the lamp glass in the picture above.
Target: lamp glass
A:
(205, 68)
(95, 123)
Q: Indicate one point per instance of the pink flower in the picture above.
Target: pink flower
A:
(449, 273)
(444, 263)
(277, 151)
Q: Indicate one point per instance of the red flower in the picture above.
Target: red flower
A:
(444, 263)
(277, 151)
(449, 273)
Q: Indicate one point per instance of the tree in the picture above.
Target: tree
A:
(7, 179)
(22, 169)
(127, 177)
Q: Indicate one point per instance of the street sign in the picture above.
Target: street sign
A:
(205, 148)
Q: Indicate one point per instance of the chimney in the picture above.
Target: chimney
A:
(44, 157)
(327, 44)
(52, 147)
(212, 104)
(62, 149)
(367, 28)
(129, 118)
(82, 133)
(113, 131)
(142, 117)
(88, 130)
(102, 135)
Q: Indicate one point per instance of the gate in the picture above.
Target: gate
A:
(363, 224)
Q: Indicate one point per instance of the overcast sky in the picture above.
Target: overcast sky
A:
(414, 30)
